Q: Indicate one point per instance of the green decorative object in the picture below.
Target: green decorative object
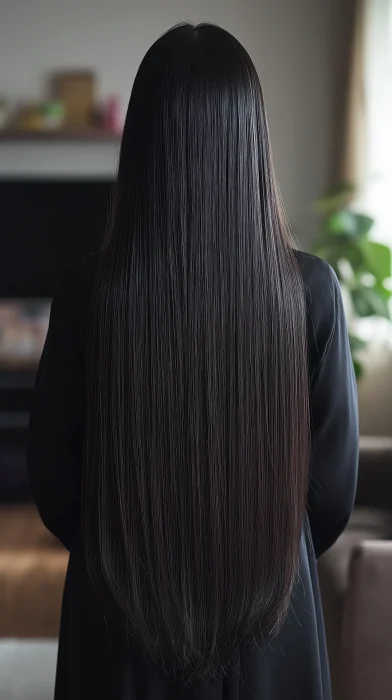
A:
(362, 265)
(53, 114)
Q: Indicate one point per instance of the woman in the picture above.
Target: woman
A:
(194, 436)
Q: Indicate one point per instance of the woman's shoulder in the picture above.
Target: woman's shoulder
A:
(323, 297)
(318, 274)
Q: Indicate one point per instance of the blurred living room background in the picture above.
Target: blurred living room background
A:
(66, 74)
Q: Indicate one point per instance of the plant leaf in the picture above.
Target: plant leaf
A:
(340, 222)
(384, 293)
(358, 368)
(377, 259)
(348, 224)
(353, 253)
(356, 344)
(364, 224)
(368, 302)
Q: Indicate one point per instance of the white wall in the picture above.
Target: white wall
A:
(289, 41)
(375, 390)
(375, 387)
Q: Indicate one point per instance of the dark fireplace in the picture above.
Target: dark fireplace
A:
(45, 225)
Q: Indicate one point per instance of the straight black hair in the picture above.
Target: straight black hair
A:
(197, 432)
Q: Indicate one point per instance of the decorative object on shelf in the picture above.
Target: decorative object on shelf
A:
(53, 114)
(29, 117)
(362, 265)
(76, 91)
(70, 112)
(4, 112)
(37, 117)
(112, 118)
(23, 328)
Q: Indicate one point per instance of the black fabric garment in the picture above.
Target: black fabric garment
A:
(92, 661)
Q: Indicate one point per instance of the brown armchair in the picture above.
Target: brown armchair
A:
(371, 520)
(366, 642)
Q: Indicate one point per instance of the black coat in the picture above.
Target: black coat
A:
(92, 661)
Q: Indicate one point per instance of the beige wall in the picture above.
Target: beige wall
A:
(375, 388)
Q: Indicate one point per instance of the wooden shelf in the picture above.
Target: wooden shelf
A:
(52, 135)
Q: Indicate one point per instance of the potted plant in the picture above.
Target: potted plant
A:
(363, 266)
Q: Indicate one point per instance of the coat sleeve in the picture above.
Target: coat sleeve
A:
(55, 442)
(335, 434)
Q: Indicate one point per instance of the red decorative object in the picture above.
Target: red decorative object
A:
(112, 114)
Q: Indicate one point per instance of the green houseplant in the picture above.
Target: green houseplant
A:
(362, 265)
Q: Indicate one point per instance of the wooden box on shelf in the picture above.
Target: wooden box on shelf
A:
(76, 91)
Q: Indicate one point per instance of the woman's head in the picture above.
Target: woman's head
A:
(196, 132)
(197, 388)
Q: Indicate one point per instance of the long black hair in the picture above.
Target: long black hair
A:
(197, 432)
